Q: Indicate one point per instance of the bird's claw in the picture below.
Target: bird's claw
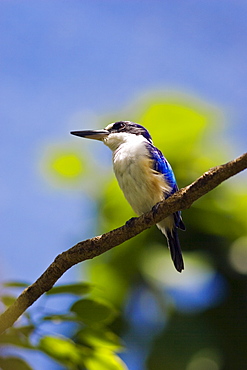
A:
(155, 209)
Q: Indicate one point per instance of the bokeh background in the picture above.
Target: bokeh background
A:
(180, 69)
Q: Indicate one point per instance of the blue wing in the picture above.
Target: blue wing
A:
(161, 165)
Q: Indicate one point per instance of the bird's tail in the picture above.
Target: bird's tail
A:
(175, 249)
(169, 229)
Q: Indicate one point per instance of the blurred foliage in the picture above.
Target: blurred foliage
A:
(197, 319)
(189, 321)
(92, 346)
(62, 165)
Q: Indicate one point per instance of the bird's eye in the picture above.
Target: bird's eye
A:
(118, 126)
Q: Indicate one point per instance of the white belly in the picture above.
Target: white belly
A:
(142, 186)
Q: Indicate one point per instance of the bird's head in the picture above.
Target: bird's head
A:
(116, 133)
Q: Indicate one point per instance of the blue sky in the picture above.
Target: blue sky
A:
(63, 59)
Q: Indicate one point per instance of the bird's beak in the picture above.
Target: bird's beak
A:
(92, 134)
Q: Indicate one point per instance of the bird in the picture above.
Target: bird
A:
(143, 174)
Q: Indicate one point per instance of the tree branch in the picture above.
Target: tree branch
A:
(91, 248)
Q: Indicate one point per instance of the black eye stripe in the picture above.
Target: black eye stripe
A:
(131, 128)
(118, 125)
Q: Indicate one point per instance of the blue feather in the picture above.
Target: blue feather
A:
(161, 165)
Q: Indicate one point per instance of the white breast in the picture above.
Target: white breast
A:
(142, 186)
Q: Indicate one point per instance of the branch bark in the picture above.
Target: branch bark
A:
(93, 247)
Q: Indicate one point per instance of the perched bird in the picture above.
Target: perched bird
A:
(143, 174)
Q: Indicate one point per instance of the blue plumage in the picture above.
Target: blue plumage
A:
(161, 165)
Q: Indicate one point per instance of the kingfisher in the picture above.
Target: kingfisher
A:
(143, 174)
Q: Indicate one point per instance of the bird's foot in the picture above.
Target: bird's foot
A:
(155, 208)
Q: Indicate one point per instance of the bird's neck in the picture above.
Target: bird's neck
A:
(130, 152)
(125, 142)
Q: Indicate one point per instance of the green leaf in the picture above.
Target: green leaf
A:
(63, 350)
(11, 363)
(8, 300)
(92, 311)
(77, 289)
(61, 318)
(14, 338)
(99, 338)
(104, 360)
(26, 330)
(15, 284)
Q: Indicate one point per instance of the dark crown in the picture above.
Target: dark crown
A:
(130, 127)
